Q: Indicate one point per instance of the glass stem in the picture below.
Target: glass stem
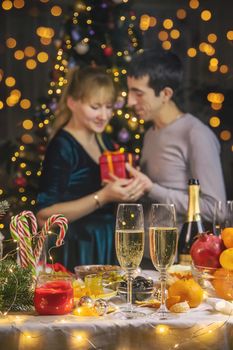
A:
(163, 308)
(129, 291)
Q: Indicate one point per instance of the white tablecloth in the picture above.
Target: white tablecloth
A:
(200, 329)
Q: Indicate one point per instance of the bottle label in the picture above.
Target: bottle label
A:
(185, 259)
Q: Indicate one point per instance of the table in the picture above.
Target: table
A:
(200, 329)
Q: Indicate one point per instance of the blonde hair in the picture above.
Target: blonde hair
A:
(83, 84)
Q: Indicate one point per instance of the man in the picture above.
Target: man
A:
(178, 146)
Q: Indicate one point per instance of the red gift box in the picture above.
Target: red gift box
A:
(114, 163)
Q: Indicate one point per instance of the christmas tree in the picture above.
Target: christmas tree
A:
(94, 32)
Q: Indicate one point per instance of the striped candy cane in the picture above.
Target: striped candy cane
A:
(29, 214)
(17, 235)
(21, 232)
(54, 220)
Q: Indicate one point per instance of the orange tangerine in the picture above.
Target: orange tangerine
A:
(172, 301)
(223, 283)
(227, 237)
(226, 259)
(188, 290)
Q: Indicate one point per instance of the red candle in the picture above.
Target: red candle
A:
(54, 297)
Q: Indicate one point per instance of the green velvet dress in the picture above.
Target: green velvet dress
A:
(70, 173)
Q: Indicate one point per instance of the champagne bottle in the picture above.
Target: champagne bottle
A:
(192, 226)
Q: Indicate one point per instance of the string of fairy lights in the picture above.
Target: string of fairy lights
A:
(167, 31)
(205, 334)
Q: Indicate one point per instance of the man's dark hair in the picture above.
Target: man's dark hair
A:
(163, 68)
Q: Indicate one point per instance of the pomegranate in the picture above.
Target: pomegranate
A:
(205, 251)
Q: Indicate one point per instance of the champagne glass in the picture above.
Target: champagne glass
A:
(129, 242)
(163, 237)
(223, 216)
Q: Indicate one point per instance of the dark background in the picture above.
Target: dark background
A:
(33, 84)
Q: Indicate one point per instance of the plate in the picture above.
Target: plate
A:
(84, 270)
(107, 294)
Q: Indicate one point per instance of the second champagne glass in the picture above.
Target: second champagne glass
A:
(163, 236)
(129, 239)
(223, 216)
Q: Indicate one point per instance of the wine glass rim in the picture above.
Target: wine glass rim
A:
(130, 204)
(163, 204)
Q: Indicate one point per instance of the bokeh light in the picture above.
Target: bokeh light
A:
(206, 15)
(25, 103)
(163, 35)
(216, 106)
(181, 14)
(168, 23)
(194, 4)
(230, 35)
(45, 41)
(153, 21)
(31, 64)
(144, 23)
(27, 124)
(45, 32)
(10, 81)
(166, 45)
(42, 57)
(191, 52)
(16, 93)
(212, 38)
(27, 139)
(7, 5)
(214, 61)
(19, 54)
(225, 135)
(29, 51)
(18, 4)
(56, 10)
(214, 122)
(11, 43)
(175, 34)
(224, 69)
(215, 97)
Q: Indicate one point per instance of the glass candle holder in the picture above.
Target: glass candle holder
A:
(53, 294)
(94, 284)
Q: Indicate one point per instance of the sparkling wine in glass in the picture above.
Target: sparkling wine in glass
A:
(163, 237)
(129, 242)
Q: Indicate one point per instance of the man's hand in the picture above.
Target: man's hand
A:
(128, 189)
(144, 181)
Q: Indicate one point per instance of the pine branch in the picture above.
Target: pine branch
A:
(16, 292)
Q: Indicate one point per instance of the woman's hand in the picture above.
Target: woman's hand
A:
(115, 190)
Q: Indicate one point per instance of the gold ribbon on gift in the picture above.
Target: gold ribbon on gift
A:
(108, 155)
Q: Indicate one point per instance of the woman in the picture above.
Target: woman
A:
(70, 182)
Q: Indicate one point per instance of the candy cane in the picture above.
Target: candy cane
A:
(20, 231)
(29, 214)
(58, 220)
(17, 235)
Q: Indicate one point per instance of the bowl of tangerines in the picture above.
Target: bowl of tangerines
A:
(212, 263)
